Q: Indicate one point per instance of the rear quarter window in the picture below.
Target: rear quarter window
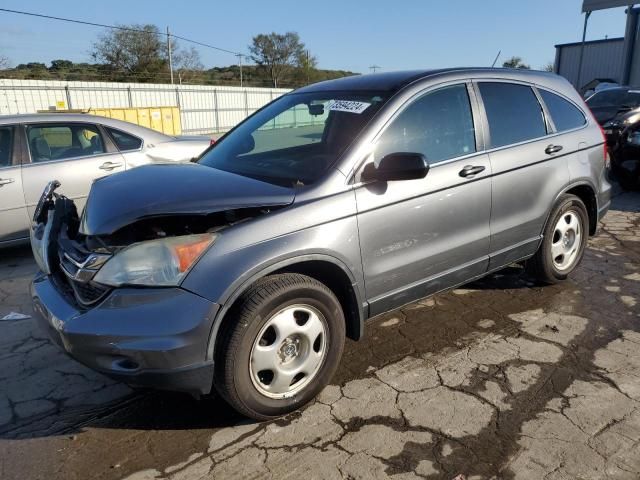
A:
(564, 114)
(124, 141)
(513, 112)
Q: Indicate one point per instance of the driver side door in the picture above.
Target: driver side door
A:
(421, 236)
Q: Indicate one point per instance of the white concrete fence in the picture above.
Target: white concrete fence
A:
(203, 109)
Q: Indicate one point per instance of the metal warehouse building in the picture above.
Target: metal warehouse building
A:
(603, 59)
(614, 59)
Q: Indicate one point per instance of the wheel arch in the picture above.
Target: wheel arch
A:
(326, 269)
(586, 192)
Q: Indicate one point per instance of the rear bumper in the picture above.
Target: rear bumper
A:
(153, 337)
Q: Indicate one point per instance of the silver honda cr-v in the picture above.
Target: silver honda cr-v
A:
(245, 271)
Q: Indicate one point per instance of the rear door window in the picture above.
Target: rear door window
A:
(63, 141)
(565, 115)
(513, 112)
(6, 146)
(124, 141)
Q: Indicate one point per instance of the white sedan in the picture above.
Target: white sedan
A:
(74, 149)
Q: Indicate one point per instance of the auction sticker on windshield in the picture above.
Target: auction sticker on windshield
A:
(351, 106)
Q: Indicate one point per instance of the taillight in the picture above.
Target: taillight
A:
(212, 141)
(605, 148)
(607, 158)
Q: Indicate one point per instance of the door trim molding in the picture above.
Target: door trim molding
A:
(421, 288)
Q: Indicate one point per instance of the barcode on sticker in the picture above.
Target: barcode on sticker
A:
(351, 106)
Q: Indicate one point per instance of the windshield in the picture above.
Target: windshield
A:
(615, 98)
(295, 139)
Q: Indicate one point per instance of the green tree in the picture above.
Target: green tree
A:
(548, 67)
(32, 70)
(306, 68)
(61, 65)
(138, 51)
(277, 53)
(515, 62)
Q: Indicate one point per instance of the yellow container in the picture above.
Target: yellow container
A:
(162, 119)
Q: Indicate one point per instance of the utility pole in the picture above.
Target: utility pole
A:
(169, 51)
(308, 66)
(374, 68)
(581, 57)
(239, 55)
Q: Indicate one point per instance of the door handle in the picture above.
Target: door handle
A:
(110, 165)
(471, 170)
(6, 181)
(551, 149)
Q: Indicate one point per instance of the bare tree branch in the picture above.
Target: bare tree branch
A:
(4, 62)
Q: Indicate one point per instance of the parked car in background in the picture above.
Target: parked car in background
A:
(600, 84)
(618, 112)
(245, 271)
(74, 149)
(607, 105)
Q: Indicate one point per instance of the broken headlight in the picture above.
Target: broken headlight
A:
(162, 262)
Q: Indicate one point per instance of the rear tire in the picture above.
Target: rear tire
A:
(564, 240)
(279, 346)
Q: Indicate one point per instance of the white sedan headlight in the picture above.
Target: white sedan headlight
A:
(162, 262)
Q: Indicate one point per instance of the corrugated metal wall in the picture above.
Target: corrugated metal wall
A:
(602, 59)
(203, 109)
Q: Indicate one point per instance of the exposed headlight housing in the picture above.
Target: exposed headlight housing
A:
(162, 262)
(40, 234)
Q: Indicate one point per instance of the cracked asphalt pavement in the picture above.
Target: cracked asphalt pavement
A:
(502, 378)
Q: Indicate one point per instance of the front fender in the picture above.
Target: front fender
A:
(224, 274)
(239, 289)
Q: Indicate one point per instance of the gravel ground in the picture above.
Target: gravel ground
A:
(500, 379)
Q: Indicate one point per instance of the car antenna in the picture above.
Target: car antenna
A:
(496, 59)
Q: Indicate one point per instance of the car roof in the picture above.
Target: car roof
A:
(394, 81)
(146, 133)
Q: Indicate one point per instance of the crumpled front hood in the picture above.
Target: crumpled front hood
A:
(118, 200)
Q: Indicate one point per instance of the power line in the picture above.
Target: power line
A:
(116, 27)
(207, 45)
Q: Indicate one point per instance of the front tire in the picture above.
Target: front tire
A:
(564, 240)
(279, 346)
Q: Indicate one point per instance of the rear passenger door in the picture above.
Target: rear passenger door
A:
(73, 153)
(529, 167)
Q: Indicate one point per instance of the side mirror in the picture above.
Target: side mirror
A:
(245, 145)
(400, 166)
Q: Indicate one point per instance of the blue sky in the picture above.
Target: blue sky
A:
(343, 34)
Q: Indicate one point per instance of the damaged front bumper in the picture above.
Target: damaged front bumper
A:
(152, 337)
